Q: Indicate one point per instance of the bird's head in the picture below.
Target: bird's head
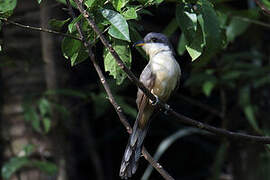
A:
(154, 43)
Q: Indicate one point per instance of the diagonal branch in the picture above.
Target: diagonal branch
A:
(186, 120)
(117, 108)
(262, 6)
(38, 28)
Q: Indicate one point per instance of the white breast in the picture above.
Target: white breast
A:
(167, 72)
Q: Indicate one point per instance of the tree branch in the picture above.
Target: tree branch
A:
(38, 29)
(267, 11)
(186, 120)
(117, 108)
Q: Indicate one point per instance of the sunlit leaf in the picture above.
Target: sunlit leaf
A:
(195, 48)
(71, 26)
(7, 5)
(90, 4)
(187, 21)
(111, 65)
(39, 1)
(119, 27)
(210, 25)
(119, 4)
(130, 14)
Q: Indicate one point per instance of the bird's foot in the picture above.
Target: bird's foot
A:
(155, 102)
(167, 108)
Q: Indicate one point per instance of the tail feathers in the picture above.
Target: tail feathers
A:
(133, 152)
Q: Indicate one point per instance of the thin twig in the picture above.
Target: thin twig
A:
(156, 165)
(252, 21)
(267, 11)
(38, 29)
(218, 131)
(117, 108)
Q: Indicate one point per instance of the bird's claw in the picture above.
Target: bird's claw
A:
(155, 102)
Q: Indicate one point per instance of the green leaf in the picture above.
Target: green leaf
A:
(250, 115)
(74, 50)
(58, 24)
(16, 163)
(210, 25)
(235, 28)
(44, 107)
(71, 26)
(45, 166)
(7, 6)
(70, 47)
(248, 109)
(195, 48)
(13, 165)
(130, 13)
(46, 124)
(39, 1)
(187, 21)
(266, 3)
(79, 57)
(119, 27)
(207, 87)
(30, 115)
(181, 47)
(92, 3)
(111, 65)
(119, 4)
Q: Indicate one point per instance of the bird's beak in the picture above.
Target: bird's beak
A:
(139, 43)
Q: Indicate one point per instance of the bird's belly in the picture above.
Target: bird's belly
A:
(166, 73)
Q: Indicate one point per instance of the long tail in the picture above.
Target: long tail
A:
(134, 147)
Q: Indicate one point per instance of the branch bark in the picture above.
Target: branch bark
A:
(186, 120)
(258, 2)
(117, 108)
(37, 28)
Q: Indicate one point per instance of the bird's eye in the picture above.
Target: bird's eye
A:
(154, 39)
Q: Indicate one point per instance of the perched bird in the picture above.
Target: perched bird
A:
(161, 76)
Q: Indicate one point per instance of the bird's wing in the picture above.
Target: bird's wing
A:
(147, 77)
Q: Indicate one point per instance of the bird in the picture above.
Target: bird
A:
(161, 77)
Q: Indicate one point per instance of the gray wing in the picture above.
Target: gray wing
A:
(148, 79)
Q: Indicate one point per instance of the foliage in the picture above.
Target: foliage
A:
(16, 163)
(227, 54)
